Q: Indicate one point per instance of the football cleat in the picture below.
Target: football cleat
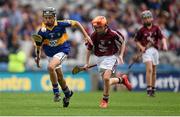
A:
(126, 82)
(66, 100)
(103, 104)
(57, 97)
(151, 93)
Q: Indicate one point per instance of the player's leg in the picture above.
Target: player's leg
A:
(115, 80)
(106, 78)
(154, 72)
(121, 79)
(149, 77)
(153, 79)
(53, 77)
(148, 59)
(60, 77)
(64, 87)
(106, 67)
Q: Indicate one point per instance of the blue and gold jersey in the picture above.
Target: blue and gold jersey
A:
(55, 38)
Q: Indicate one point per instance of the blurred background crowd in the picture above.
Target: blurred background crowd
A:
(19, 19)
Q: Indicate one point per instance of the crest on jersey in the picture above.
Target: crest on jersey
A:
(59, 34)
(51, 35)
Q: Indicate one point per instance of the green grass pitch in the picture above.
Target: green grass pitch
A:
(121, 103)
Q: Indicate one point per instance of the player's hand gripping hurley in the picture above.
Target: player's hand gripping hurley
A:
(78, 69)
(137, 56)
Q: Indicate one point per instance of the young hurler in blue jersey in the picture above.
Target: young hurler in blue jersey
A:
(52, 37)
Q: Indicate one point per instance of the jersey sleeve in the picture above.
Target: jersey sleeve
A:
(67, 23)
(119, 38)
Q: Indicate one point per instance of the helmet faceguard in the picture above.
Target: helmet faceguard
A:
(49, 11)
(49, 16)
(147, 18)
(146, 14)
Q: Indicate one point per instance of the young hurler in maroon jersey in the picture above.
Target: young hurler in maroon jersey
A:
(147, 40)
(108, 46)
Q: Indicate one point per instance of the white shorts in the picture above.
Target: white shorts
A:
(107, 62)
(61, 56)
(151, 54)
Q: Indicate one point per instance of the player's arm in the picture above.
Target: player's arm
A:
(137, 40)
(140, 46)
(121, 43)
(163, 39)
(164, 44)
(88, 54)
(122, 50)
(86, 36)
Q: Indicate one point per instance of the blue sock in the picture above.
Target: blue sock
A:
(66, 92)
(55, 89)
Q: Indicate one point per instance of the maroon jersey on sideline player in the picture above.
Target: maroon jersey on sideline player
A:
(106, 45)
(152, 35)
(147, 40)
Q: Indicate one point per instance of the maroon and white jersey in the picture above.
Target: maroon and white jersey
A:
(146, 36)
(107, 44)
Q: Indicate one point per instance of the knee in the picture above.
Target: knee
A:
(51, 67)
(149, 70)
(154, 72)
(106, 79)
